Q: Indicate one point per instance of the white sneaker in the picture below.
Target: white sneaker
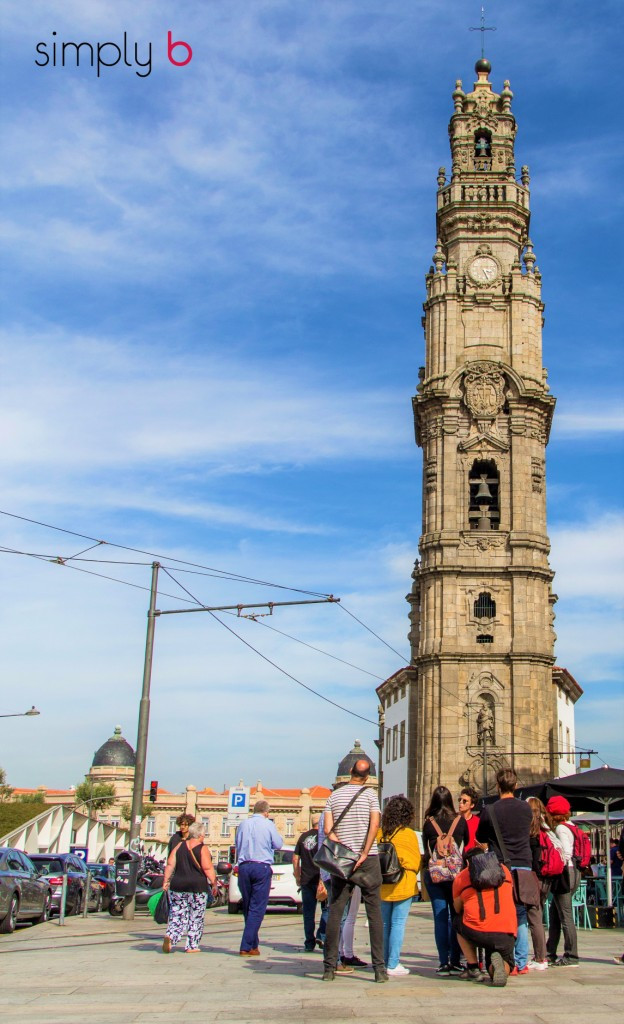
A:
(538, 965)
(398, 972)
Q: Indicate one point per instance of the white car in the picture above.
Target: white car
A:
(284, 890)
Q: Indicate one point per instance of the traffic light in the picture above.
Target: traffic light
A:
(153, 792)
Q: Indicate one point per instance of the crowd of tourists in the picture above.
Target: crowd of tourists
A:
(487, 877)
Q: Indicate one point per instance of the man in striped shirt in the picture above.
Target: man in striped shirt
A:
(357, 830)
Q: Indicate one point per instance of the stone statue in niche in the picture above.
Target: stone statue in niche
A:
(485, 723)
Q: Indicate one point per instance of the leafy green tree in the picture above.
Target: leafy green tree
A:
(31, 798)
(126, 811)
(5, 791)
(96, 796)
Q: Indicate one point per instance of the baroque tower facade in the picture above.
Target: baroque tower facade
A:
(482, 639)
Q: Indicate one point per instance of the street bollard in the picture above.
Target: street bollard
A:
(63, 897)
(85, 909)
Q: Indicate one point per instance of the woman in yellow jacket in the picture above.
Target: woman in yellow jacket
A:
(396, 899)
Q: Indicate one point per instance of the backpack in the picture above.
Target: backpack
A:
(486, 872)
(551, 862)
(581, 852)
(391, 870)
(446, 861)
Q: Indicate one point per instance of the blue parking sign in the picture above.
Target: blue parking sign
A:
(238, 803)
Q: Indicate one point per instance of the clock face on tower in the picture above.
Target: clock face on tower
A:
(483, 270)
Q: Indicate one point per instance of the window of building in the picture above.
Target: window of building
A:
(483, 638)
(396, 696)
(388, 735)
(205, 820)
(402, 692)
(290, 828)
(402, 740)
(485, 607)
(483, 481)
(173, 828)
(150, 826)
(225, 828)
(568, 745)
(560, 739)
(113, 821)
(395, 742)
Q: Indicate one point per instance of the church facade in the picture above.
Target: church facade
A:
(481, 690)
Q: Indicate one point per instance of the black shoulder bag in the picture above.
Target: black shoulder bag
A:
(334, 857)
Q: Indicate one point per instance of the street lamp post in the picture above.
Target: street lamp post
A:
(23, 714)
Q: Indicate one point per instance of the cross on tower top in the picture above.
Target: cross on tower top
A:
(483, 29)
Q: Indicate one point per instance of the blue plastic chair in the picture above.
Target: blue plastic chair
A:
(579, 907)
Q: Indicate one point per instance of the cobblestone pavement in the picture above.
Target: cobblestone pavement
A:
(108, 971)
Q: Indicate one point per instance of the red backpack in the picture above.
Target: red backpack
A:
(551, 861)
(581, 852)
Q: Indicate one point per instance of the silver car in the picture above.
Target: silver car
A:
(24, 896)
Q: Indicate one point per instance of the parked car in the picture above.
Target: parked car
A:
(104, 877)
(284, 890)
(51, 867)
(24, 896)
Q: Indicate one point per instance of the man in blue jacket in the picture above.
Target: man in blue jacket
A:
(256, 839)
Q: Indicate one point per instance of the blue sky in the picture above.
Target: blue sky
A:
(210, 341)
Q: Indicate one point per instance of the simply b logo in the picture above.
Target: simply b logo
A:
(109, 54)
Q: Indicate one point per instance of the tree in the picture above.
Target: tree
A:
(96, 795)
(31, 798)
(126, 811)
(5, 791)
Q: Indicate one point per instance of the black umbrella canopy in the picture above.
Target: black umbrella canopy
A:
(587, 790)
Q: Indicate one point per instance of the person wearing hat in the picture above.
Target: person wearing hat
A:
(561, 917)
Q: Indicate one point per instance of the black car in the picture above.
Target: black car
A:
(104, 877)
(52, 866)
(24, 896)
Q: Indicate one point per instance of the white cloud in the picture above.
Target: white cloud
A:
(574, 426)
(588, 559)
(78, 408)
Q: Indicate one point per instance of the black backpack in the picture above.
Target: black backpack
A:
(486, 872)
(391, 870)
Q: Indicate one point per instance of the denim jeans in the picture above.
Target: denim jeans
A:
(394, 916)
(521, 948)
(441, 896)
(308, 899)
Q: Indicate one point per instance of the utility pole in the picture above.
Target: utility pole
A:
(144, 706)
(485, 764)
(144, 710)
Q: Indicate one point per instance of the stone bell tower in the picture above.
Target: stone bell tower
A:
(481, 614)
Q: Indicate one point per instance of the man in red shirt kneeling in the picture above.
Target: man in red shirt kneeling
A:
(485, 918)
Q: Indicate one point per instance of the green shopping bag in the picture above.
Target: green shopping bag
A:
(158, 906)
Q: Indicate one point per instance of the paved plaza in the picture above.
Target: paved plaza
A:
(108, 971)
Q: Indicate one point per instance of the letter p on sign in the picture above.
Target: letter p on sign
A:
(171, 46)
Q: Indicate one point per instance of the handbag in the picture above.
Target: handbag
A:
(321, 891)
(391, 870)
(333, 856)
(161, 910)
(526, 884)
